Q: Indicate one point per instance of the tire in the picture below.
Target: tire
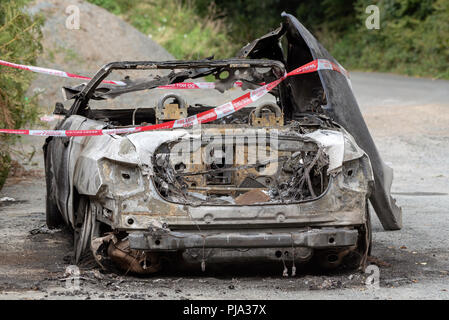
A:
(368, 228)
(351, 260)
(83, 229)
(358, 258)
(53, 216)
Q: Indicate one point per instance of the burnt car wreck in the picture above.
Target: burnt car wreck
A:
(205, 194)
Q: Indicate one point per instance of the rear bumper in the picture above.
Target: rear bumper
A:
(310, 238)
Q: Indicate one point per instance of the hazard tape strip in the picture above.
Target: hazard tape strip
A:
(197, 85)
(59, 73)
(63, 74)
(53, 72)
(203, 117)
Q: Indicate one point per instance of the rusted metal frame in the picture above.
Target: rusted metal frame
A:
(246, 166)
(177, 240)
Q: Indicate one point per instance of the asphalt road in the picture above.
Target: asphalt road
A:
(409, 121)
(380, 89)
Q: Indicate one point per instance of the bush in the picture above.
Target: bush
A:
(413, 39)
(19, 42)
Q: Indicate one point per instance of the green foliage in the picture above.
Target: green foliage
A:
(19, 42)
(335, 15)
(413, 38)
(175, 25)
(247, 19)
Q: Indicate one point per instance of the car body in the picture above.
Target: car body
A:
(284, 180)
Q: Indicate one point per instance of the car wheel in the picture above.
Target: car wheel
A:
(53, 216)
(83, 228)
(368, 229)
(358, 258)
(330, 259)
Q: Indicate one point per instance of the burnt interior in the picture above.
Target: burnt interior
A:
(294, 170)
(141, 116)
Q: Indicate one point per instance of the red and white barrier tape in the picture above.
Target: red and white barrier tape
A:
(54, 72)
(203, 117)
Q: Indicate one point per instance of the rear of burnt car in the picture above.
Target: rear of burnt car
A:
(167, 208)
(135, 203)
